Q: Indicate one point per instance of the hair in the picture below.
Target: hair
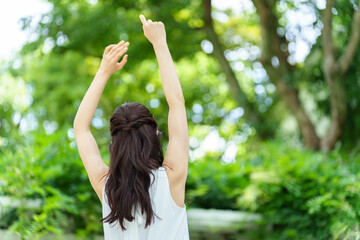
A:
(135, 149)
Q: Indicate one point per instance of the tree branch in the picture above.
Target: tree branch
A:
(348, 54)
(218, 52)
(270, 47)
(328, 44)
(333, 75)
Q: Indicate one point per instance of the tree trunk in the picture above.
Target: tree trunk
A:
(240, 97)
(281, 73)
(333, 70)
(338, 113)
(334, 74)
(271, 43)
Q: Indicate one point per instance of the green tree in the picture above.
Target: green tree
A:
(337, 58)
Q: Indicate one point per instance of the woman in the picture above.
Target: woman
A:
(142, 193)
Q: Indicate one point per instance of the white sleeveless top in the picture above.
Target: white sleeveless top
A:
(172, 224)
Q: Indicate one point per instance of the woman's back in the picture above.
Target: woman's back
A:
(170, 219)
(135, 148)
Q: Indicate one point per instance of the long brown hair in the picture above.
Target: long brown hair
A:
(135, 149)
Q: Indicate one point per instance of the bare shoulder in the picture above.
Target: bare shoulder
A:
(177, 180)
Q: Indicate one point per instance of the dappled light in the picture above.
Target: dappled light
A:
(272, 104)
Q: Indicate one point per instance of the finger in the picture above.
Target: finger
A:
(119, 49)
(120, 44)
(142, 19)
(149, 21)
(119, 54)
(123, 62)
(107, 49)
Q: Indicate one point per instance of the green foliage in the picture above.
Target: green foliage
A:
(47, 183)
(301, 194)
(211, 184)
(61, 63)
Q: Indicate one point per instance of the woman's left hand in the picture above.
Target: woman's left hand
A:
(110, 62)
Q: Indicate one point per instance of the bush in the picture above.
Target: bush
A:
(302, 194)
(49, 171)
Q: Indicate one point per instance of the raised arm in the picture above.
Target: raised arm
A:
(177, 153)
(86, 144)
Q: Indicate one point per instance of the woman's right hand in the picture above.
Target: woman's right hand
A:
(153, 31)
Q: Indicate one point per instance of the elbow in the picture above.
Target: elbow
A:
(79, 127)
(76, 126)
(182, 99)
(75, 123)
(179, 100)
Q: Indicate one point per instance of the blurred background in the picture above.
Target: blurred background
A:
(272, 97)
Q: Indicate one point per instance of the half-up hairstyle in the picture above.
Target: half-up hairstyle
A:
(135, 149)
